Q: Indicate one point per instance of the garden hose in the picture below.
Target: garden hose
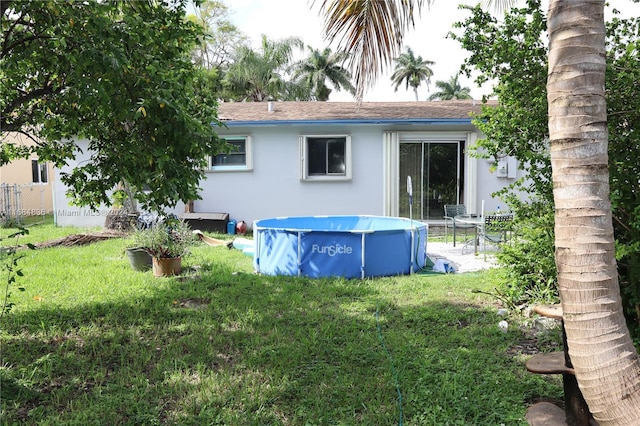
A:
(428, 264)
(394, 373)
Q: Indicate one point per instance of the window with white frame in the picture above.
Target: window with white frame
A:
(39, 172)
(237, 158)
(325, 157)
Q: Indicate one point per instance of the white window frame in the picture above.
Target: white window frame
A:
(304, 159)
(248, 146)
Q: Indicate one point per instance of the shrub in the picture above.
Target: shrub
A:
(529, 263)
(168, 239)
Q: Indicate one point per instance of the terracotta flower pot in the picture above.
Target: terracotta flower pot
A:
(167, 266)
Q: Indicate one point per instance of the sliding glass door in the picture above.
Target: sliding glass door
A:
(435, 168)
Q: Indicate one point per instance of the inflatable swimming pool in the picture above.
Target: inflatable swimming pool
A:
(343, 246)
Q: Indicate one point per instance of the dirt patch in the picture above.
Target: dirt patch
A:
(526, 346)
(534, 341)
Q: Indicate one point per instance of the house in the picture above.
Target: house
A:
(337, 158)
(26, 187)
(342, 158)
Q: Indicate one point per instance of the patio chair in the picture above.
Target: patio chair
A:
(451, 211)
(496, 230)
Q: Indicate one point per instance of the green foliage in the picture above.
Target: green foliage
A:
(168, 239)
(312, 74)
(258, 75)
(119, 75)
(512, 53)
(10, 151)
(623, 104)
(412, 71)
(13, 222)
(46, 231)
(9, 258)
(451, 89)
(529, 265)
(221, 37)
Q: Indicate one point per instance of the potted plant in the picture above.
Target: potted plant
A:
(139, 258)
(167, 242)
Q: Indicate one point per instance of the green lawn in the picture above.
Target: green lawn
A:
(92, 342)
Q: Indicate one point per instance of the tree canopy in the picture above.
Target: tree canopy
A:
(450, 89)
(259, 75)
(221, 36)
(513, 54)
(320, 67)
(412, 71)
(118, 74)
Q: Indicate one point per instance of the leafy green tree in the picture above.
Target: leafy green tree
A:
(584, 236)
(450, 90)
(623, 119)
(515, 59)
(319, 67)
(259, 75)
(221, 36)
(512, 53)
(119, 75)
(412, 71)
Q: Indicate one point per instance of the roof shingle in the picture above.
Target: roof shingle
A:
(310, 111)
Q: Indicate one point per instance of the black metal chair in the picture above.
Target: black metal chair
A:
(496, 230)
(450, 212)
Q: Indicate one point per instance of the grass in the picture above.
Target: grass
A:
(91, 341)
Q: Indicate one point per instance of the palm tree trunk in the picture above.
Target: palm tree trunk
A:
(415, 91)
(600, 347)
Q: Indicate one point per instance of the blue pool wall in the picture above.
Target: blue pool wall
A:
(339, 246)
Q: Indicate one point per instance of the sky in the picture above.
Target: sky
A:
(279, 19)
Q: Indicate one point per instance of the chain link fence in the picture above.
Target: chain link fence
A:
(18, 201)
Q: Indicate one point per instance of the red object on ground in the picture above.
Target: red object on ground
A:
(241, 227)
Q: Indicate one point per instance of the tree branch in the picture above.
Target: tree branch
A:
(6, 35)
(5, 5)
(21, 100)
(7, 49)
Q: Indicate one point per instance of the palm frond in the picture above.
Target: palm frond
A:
(372, 31)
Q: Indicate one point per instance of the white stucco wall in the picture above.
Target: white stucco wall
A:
(490, 181)
(274, 187)
(69, 215)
